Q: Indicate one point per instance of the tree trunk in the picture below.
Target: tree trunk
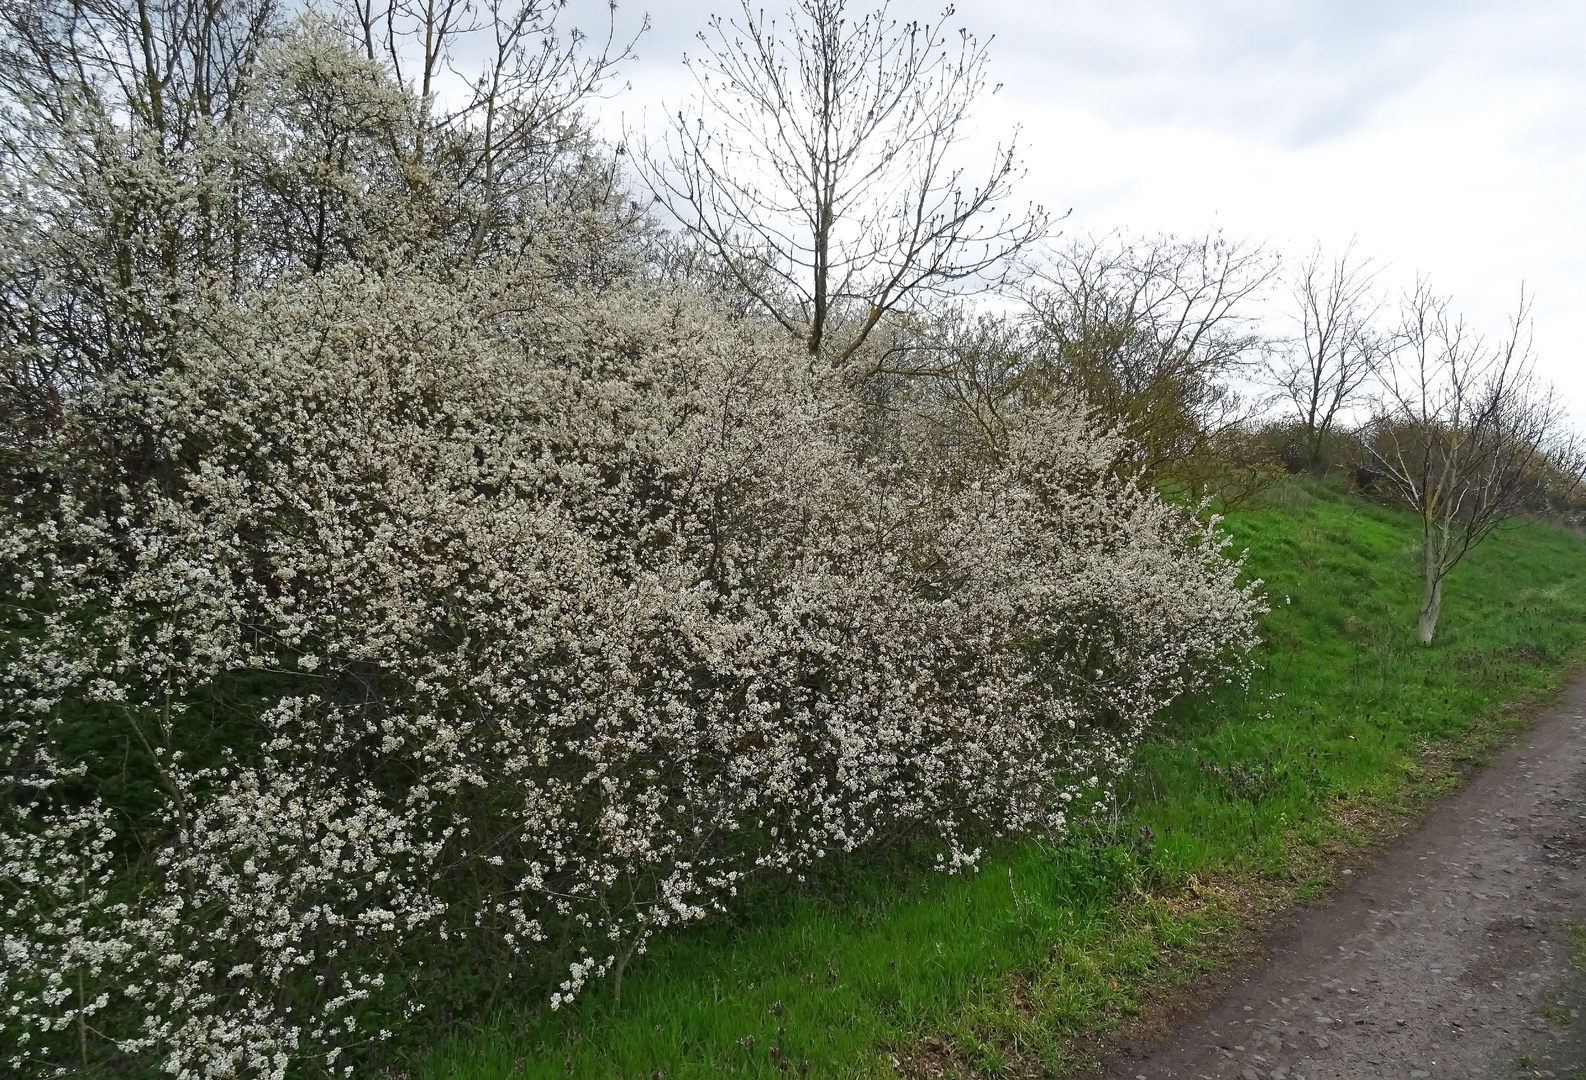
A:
(623, 956)
(1431, 604)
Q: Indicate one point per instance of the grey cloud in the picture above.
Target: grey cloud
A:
(1286, 73)
(1290, 74)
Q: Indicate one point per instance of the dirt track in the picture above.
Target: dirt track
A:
(1449, 956)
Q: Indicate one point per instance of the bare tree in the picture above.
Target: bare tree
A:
(1464, 434)
(1147, 331)
(1323, 369)
(819, 164)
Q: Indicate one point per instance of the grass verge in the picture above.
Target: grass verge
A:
(1243, 803)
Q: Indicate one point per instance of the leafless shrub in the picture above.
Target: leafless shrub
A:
(1148, 332)
(1324, 368)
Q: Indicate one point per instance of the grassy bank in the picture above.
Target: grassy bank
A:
(996, 972)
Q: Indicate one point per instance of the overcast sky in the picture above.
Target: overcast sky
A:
(1449, 137)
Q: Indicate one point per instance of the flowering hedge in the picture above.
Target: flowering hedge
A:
(445, 620)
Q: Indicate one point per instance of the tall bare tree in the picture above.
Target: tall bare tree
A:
(1323, 369)
(820, 165)
(1464, 434)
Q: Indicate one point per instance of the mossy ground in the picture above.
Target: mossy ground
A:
(1243, 801)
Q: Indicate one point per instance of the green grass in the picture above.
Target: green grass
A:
(997, 972)
(1577, 940)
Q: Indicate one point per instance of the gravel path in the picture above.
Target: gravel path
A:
(1450, 956)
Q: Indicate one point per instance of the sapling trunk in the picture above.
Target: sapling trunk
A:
(623, 956)
(1431, 603)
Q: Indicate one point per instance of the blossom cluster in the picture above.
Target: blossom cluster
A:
(447, 616)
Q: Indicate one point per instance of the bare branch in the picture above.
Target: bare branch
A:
(1147, 331)
(826, 179)
(1324, 367)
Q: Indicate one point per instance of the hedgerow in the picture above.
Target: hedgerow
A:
(466, 623)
